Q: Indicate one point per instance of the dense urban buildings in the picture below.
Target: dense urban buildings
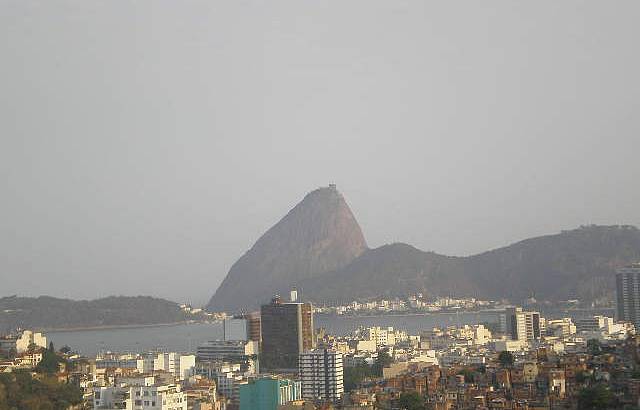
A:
(628, 294)
(140, 393)
(287, 331)
(507, 363)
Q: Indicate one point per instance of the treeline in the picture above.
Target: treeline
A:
(49, 312)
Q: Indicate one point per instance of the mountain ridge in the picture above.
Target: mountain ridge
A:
(319, 248)
(571, 264)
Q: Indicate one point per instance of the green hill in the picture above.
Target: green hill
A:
(48, 312)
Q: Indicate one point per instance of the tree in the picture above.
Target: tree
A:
(50, 362)
(595, 398)
(469, 376)
(383, 360)
(3, 397)
(32, 347)
(582, 376)
(411, 401)
(353, 376)
(66, 349)
(594, 347)
(506, 358)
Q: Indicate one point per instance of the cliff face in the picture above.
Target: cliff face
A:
(317, 236)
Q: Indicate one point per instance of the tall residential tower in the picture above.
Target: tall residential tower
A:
(322, 376)
(628, 293)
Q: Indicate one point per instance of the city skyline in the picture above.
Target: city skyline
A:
(319, 205)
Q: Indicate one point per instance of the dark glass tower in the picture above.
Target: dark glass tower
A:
(287, 331)
(628, 294)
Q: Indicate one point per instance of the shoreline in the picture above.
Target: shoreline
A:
(468, 312)
(454, 312)
(114, 327)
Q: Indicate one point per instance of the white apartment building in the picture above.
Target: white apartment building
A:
(117, 361)
(385, 336)
(594, 323)
(562, 328)
(228, 376)
(141, 393)
(380, 335)
(180, 365)
(366, 346)
(20, 343)
(481, 335)
(322, 375)
(522, 325)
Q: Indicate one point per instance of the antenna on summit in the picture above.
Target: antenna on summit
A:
(332, 186)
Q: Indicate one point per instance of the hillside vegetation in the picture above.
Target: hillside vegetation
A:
(48, 312)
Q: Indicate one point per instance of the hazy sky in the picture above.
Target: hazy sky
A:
(145, 145)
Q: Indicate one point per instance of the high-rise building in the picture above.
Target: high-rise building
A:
(521, 325)
(628, 294)
(253, 328)
(287, 331)
(268, 393)
(321, 373)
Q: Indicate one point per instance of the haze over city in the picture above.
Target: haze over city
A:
(146, 146)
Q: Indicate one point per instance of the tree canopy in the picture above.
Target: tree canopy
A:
(18, 390)
(50, 362)
(411, 401)
(383, 360)
(595, 398)
(506, 358)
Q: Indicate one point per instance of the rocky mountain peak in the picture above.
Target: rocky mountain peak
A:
(319, 235)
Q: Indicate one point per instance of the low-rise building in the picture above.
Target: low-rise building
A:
(139, 393)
